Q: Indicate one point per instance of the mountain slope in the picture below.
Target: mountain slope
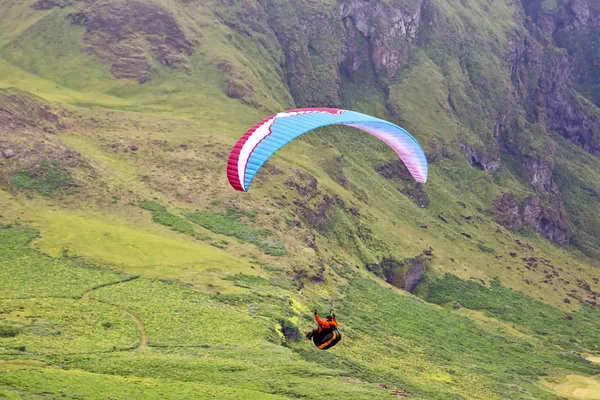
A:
(116, 120)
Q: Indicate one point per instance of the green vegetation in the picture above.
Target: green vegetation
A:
(230, 224)
(7, 331)
(252, 281)
(577, 173)
(193, 319)
(201, 338)
(66, 326)
(486, 249)
(28, 273)
(20, 379)
(575, 330)
(48, 179)
(436, 353)
(160, 215)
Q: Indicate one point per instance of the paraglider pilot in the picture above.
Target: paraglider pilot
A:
(326, 335)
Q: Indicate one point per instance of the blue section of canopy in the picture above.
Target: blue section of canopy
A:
(287, 128)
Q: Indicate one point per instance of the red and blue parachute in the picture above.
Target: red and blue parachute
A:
(269, 135)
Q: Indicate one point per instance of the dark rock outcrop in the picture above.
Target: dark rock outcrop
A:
(414, 275)
(506, 211)
(8, 153)
(304, 183)
(575, 26)
(312, 205)
(405, 274)
(318, 41)
(481, 159)
(394, 170)
(21, 112)
(531, 209)
(29, 145)
(417, 194)
(397, 171)
(389, 29)
(315, 214)
(538, 172)
(550, 220)
(542, 74)
(572, 119)
(242, 91)
(289, 330)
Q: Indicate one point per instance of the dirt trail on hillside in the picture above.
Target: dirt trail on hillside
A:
(143, 334)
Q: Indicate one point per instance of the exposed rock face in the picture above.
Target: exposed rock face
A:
(320, 212)
(572, 119)
(542, 74)
(397, 171)
(480, 159)
(290, 332)
(537, 152)
(550, 221)
(319, 40)
(242, 91)
(389, 28)
(567, 16)
(405, 274)
(417, 194)
(394, 170)
(532, 210)
(315, 215)
(20, 112)
(537, 71)
(312, 206)
(538, 172)
(506, 211)
(305, 184)
(413, 276)
(308, 33)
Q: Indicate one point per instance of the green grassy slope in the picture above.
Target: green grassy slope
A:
(147, 276)
(232, 343)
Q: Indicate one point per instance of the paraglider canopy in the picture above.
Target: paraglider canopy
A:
(269, 135)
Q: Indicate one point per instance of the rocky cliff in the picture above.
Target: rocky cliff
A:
(492, 83)
(550, 220)
(567, 49)
(506, 100)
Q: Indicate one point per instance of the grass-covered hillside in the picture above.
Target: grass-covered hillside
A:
(129, 268)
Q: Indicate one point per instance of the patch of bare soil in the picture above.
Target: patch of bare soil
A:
(131, 35)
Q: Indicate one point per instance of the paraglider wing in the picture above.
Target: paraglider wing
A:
(271, 134)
